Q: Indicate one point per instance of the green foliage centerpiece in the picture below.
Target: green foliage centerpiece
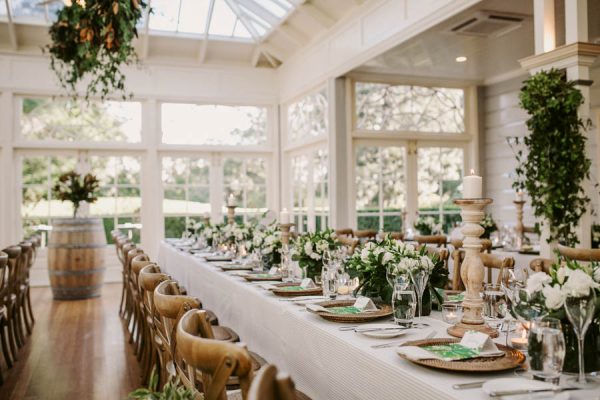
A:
(93, 38)
(72, 187)
(309, 249)
(555, 165)
(428, 226)
(549, 292)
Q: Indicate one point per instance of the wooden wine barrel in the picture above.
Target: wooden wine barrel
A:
(76, 258)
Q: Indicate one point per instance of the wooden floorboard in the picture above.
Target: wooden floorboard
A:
(78, 350)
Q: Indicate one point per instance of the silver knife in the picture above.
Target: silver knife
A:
(501, 393)
(469, 385)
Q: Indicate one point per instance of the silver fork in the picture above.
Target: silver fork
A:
(394, 344)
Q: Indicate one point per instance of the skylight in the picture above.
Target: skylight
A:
(240, 19)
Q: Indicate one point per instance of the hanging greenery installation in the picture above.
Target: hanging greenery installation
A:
(92, 40)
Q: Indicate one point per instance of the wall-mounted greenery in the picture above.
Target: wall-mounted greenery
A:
(555, 165)
(92, 39)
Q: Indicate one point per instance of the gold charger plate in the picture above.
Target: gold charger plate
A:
(261, 276)
(235, 267)
(511, 359)
(383, 311)
(279, 291)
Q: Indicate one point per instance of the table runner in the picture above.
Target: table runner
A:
(325, 363)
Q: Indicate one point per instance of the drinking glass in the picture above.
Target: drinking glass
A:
(546, 349)
(257, 260)
(330, 281)
(580, 311)
(419, 278)
(493, 305)
(404, 304)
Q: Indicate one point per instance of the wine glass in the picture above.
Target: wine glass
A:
(419, 278)
(493, 305)
(580, 311)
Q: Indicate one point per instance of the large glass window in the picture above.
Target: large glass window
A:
(39, 206)
(119, 202)
(246, 179)
(194, 124)
(380, 187)
(186, 192)
(310, 190)
(74, 121)
(440, 182)
(407, 108)
(307, 117)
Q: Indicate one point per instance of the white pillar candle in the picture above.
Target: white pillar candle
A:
(519, 196)
(284, 216)
(231, 200)
(472, 186)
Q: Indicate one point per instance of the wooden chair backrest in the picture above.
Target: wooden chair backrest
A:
(3, 273)
(120, 242)
(216, 360)
(127, 247)
(13, 253)
(137, 263)
(490, 262)
(486, 244)
(26, 259)
(365, 234)
(439, 240)
(270, 385)
(149, 278)
(169, 301)
(541, 265)
(344, 232)
(349, 242)
(579, 254)
(394, 235)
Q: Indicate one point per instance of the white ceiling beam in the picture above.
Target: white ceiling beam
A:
(255, 56)
(242, 17)
(12, 31)
(146, 33)
(270, 58)
(204, 44)
(316, 14)
(259, 10)
(274, 51)
(291, 34)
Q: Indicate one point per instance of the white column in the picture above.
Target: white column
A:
(339, 145)
(412, 184)
(576, 21)
(151, 183)
(275, 177)
(217, 192)
(10, 229)
(543, 19)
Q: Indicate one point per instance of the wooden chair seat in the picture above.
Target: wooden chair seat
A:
(268, 384)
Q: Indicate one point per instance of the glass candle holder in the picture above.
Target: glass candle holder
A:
(452, 313)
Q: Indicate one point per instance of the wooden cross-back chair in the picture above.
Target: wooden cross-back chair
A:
(216, 361)
(4, 319)
(344, 232)
(541, 265)
(394, 235)
(269, 384)
(349, 242)
(24, 298)
(579, 254)
(365, 235)
(490, 262)
(9, 300)
(438, 240)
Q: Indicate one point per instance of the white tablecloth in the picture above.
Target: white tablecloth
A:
(325, 363)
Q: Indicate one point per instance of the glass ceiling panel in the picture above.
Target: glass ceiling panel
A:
(229, 18)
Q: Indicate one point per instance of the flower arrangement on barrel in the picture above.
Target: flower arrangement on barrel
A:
(72, 187)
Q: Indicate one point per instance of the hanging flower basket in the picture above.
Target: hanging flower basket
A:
(92, 40)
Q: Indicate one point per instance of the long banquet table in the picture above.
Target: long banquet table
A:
(325, 363)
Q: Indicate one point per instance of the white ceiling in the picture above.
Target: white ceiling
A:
(433, 53)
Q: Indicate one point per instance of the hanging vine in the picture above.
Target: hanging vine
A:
(555, 165)
(92, 40)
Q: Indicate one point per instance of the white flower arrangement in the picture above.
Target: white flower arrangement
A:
(310, 247)
(428, 226)
(568, 278)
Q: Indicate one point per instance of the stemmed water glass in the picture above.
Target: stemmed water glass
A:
(419, 278)
(580, 311)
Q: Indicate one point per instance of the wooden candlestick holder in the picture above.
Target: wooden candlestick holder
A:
(471, 270)
(285, 233)
(520, 227)
(231, 214)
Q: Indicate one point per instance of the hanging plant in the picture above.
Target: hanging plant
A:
(92, 39)
(555, 165)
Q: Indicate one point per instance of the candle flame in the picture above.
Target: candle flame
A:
(472, 171)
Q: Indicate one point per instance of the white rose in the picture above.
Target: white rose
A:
(315, 256)
(378, 251)
(536, 281)
(555, 297)
(387, 257)
(597, 274)
(579, 283)
(308, 248)
(364, 254)
(561, 274)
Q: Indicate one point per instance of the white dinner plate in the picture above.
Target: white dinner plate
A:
(507, 384)
(382, 334)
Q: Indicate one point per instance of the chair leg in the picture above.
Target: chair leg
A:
(12, 340)
(29, 309)
(8, 357)
(122, 305)
(24, 315)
